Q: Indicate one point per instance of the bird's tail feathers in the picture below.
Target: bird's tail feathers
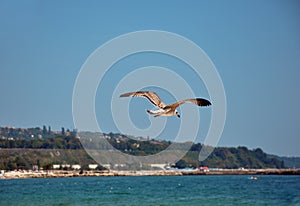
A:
(151, 112)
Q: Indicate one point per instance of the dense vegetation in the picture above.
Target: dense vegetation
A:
(11, 159)
(241, 157)
(22, 148)
(59, 142)
(290, 162)
(33, 133)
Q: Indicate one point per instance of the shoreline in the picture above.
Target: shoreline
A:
(106, 173)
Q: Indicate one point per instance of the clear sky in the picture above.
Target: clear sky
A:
(255, 45)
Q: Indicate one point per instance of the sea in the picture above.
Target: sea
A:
(152, 190)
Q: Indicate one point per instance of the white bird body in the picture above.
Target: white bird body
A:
(163, 109)
(162, 112)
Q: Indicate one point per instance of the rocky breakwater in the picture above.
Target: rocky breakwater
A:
(63, 173)
(106, 173)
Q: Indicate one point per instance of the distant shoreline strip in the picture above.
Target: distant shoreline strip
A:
(64, 173)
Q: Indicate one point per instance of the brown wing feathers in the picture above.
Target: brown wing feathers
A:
(154, 99)
(151, 96)
(198, 101)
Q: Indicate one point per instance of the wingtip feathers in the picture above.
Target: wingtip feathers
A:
(203, 102)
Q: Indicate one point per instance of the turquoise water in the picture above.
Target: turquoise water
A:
(174, 190)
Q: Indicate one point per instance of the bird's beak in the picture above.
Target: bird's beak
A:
(178, 115)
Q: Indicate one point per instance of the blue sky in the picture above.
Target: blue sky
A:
(255, 46)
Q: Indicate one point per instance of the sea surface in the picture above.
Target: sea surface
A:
(155, 190)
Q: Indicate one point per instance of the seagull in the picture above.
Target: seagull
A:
(163, 109)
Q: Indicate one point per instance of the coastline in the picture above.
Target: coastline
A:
(106, 173)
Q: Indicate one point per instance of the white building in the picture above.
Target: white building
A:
(65, 166)
(55, 166)
(76, 167)
(107, 166)
(161, 166)
(93, 166)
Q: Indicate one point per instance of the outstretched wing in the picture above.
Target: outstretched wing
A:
(198, 101)
(151, 96)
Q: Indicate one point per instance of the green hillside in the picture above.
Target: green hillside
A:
(289, 162)
(23, 154)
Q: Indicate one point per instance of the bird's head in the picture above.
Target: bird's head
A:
(177, 114)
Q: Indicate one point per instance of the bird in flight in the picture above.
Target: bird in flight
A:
(163, 109)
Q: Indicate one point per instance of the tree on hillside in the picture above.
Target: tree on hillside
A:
(63, 131)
